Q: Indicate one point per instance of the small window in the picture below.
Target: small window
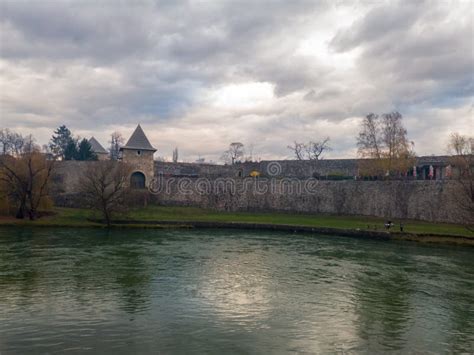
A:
(139, 152)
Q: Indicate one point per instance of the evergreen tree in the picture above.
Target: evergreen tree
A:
(85, 151)
(71, 151)
(175, 155)
(62, 141)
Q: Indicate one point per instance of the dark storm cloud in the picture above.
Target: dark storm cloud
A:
(411, 43)
(57, 30)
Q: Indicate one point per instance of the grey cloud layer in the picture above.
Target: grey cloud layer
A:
(101, 66)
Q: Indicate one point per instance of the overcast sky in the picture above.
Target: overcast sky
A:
(201, 74)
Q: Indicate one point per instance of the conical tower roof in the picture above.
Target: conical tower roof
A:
(138, 140)
(96, 146)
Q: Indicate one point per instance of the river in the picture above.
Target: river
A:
(223, 291)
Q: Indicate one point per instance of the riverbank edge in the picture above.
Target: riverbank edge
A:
(359, 233)
(167, 224)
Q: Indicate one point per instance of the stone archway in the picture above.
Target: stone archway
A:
(137, 180)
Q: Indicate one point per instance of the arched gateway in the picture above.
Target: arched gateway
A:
(137, 180)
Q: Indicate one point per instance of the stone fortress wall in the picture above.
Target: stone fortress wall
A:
(221, 187)
(423, 200)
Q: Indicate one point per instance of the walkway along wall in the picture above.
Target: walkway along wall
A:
(301, 169)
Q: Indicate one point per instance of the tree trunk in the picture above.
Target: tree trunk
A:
(32, 214)
(107, 217)
(20, 214)
(31, 209)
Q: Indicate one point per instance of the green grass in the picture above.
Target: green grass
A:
(344, 222)
(71, 217)
(78, 217)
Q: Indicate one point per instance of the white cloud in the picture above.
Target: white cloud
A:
(241, 96)
(200, 75)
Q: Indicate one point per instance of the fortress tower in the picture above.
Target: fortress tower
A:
(138, 152)
(97, 148)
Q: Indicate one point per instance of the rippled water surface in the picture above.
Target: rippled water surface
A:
(149, 291)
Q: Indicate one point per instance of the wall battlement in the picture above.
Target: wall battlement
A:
(300, 169)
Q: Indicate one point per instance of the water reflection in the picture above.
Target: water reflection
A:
(382, 305)
(226, 291)
(459, 298)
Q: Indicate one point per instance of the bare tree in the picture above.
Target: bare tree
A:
(46, 149)
(462, 150)
(116, 141)
(234, 153)
(104, 186)
(250, 152)
(310, 151)
(12, 143)
(395, 140)
(383, 140)
(175, 155)
(299, 150)
(316, 149)
(4, 140)
(26, 179)
(28, 145)
(369, 140)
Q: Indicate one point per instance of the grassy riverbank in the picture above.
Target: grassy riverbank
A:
(80, 218)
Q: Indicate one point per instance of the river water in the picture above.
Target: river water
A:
(225, 291)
